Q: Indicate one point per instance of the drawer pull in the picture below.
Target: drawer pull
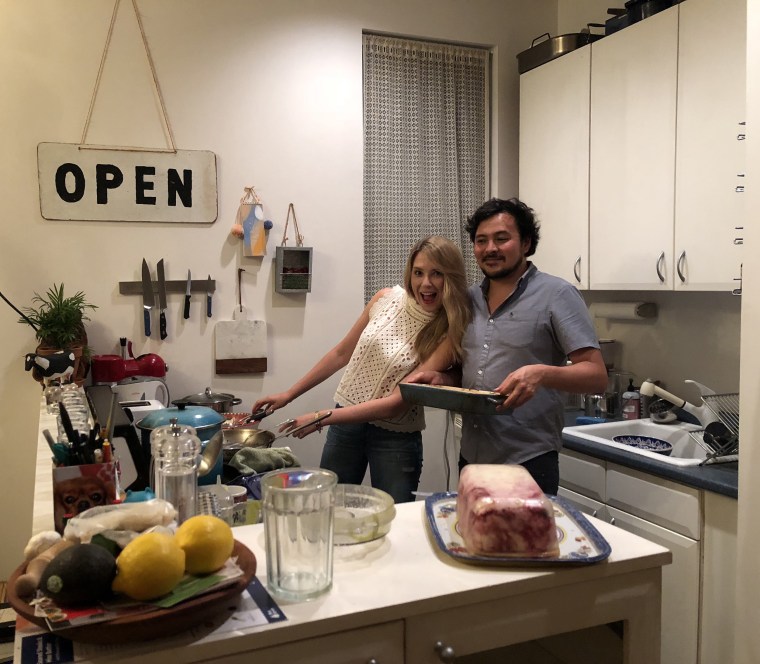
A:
(445, 653)
(612, 521)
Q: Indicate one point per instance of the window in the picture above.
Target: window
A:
(425, 149)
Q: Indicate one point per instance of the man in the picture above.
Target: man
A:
(525, 326)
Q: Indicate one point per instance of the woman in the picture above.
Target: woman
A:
(419, 326)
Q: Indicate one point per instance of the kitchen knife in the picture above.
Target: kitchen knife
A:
(208, 297)
(148, 300)
(187, 297)
(162, 298)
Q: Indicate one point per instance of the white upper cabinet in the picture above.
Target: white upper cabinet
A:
(554, 161)
(633, 144)
(709, 157)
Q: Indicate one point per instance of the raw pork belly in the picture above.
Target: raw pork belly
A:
(502, 511)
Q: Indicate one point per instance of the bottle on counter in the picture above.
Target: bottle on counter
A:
(631, 403)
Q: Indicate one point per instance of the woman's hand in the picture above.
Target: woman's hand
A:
(302, 420)
(272, 402)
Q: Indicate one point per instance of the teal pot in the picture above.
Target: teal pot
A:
(205, 421)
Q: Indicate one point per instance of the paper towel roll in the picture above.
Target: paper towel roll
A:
(624, 310)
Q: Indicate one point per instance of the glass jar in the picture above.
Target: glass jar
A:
(175, 452)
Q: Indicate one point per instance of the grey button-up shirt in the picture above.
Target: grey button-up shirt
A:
(543, 321)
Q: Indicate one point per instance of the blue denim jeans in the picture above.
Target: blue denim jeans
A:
(394, 458)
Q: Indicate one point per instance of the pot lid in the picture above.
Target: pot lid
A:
(205, 397)
(198, 417)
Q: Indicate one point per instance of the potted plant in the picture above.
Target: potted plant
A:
(58, 323)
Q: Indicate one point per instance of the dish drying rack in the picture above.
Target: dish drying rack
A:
(720, 439)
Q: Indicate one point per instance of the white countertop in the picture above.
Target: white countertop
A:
(398, 577)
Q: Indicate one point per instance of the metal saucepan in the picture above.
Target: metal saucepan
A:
(221, 402)
(239, 437)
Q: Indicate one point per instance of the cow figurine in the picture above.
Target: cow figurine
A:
(55, 366)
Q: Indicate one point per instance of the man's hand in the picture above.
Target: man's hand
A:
(520, 386)
(431, 378)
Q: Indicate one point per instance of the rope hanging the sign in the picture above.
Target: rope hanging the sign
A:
(299, 237)
(154, 80)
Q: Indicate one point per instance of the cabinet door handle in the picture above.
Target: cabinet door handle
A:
(577, 269)
(445, 653)
(660, 264)
(595, 512)
(738, 291)
(679, 265)
(612, 521)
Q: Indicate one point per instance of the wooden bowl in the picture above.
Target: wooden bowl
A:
(156, 624)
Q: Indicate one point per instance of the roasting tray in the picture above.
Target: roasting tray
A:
(552, 47)
(456, 399)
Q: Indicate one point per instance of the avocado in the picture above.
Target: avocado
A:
(79, 575)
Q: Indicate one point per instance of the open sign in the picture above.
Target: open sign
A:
(93, 184)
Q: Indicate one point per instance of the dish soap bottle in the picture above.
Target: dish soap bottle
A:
(631, 403)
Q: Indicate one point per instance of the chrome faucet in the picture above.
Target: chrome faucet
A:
(703, 413)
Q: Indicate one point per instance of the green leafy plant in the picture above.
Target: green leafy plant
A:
(58, 321)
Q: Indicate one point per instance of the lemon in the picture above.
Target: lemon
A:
(207, 542)
(150, 566)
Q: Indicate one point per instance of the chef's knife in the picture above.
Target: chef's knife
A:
(208, 297)
(187, 297)
(148, 300)
(162, 297)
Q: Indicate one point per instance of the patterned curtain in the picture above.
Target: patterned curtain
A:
(425, 149)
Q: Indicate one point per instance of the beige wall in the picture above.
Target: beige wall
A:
(274, 89)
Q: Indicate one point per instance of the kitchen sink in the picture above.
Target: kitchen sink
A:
(686, 450)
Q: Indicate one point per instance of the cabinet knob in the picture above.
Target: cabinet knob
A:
(445, 653)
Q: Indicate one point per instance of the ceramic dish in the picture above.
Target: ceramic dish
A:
(362, 514)
(579, 542)
(457, 399)
(647, 443)
(155, 624)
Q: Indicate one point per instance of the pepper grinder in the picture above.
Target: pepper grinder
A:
(176, 454)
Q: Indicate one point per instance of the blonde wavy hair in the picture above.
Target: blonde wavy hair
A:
(454, 316)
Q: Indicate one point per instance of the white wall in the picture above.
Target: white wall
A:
(274, 89)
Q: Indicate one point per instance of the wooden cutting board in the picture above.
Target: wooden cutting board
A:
(240, 344)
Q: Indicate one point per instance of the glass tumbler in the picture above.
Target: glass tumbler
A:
(175, 452)
(299, 508)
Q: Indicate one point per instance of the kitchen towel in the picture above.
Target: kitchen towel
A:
(251, 460)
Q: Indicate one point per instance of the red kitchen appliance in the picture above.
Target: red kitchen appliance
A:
(113, 369)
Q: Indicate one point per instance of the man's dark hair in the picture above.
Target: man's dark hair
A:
(525, 218)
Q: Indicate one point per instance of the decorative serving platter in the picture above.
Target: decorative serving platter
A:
(458, 399)
(579, 542)
(153, 624)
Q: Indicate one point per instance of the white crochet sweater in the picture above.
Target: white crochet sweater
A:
(384, 356)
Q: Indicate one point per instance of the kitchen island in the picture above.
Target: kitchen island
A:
(400, 599)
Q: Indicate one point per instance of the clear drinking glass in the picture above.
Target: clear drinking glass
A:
(299, 509)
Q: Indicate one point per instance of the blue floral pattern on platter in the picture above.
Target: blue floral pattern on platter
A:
(579, 542)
